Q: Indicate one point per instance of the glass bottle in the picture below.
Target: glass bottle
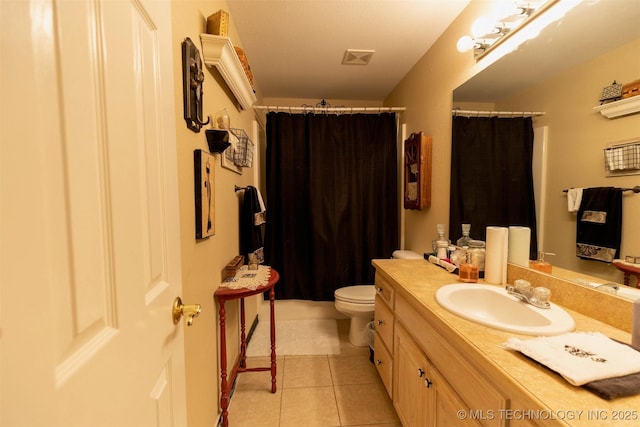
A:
(465, 239)
(468, 273)
(434, 244)
(477, 252)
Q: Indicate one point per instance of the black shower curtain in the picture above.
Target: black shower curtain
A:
(491, 175)
(332, 200)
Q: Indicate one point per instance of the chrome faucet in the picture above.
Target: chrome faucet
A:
(537, 297)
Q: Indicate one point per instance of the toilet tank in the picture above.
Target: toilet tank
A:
(402, 254)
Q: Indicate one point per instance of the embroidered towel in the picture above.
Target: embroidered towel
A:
(599, 224)
(580, 357)
(250, 232)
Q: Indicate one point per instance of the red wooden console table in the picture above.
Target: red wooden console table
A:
(226, 294)
(629, 270)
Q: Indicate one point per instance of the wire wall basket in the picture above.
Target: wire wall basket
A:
(243, 155)
(622, 158)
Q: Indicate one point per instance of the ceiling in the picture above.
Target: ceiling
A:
(295, 47)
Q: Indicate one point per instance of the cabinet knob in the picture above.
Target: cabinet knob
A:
(378, 362)
(420, 372)
(379, 290)
(380, 322)
(427, 382)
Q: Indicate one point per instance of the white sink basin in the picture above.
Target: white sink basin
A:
(492, 306)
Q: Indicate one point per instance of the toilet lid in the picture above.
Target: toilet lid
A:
(363, 294)
(403, 254)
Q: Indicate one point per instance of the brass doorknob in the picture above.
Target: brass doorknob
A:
(179, 309)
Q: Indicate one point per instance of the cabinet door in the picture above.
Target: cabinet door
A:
(409, 388)
(448, 409)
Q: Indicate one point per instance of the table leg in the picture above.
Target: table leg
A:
(273, 339)
(224, 398)
(243, 336)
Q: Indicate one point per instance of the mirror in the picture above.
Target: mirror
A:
(562, 73)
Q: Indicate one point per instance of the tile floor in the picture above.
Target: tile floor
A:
(314, 391)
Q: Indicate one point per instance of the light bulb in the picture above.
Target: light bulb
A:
(481, 27)
(465, 44)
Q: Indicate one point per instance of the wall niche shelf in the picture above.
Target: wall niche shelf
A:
(218, 51)
(620, 108)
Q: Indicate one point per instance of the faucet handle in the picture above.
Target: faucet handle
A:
(542, 294)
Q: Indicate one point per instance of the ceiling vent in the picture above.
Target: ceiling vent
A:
(357, 57)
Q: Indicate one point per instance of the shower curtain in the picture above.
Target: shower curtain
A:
(333, 201)
(491, 175)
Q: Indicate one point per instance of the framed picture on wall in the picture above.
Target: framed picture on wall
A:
(203, 163)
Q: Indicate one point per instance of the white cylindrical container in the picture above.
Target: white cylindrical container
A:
(519, 242)
(495, 263)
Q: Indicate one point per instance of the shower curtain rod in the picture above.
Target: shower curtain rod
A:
(336, 110)
(474, 113)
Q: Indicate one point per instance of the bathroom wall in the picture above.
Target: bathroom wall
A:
(577, 135)
(426, 92)
(203, 261)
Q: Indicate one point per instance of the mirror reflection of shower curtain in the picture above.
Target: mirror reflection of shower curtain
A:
(332, 200)
(491, 175)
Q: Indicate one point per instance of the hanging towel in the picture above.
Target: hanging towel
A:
(260, 217)
(580, 357)
(250, 232)
(599, 224)
(574, 198)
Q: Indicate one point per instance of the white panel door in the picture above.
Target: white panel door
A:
(90, 261)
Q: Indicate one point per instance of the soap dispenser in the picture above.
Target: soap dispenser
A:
(541, 264)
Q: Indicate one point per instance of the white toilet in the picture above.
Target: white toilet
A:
(358, 302)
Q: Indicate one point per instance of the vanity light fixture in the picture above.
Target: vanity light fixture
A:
(488, 30)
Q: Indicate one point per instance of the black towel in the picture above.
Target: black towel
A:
(599, 224)
(250, 234)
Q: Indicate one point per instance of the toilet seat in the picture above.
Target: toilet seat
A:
(360, 294)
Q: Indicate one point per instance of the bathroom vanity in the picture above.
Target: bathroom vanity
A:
(443, 370)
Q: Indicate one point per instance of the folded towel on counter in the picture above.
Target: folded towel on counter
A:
(574, 198)
(580, 357)
(599, 224)
(613, 388)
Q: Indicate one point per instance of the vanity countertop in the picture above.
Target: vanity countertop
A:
(569, 405)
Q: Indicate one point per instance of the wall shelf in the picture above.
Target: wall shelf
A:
(623, 107)
(218, 51)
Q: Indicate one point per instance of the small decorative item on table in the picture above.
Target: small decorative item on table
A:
(233, 266)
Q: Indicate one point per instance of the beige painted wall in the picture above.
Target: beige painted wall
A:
(577, 136)
(203, 261)
(426, 92)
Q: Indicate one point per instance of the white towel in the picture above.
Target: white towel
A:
(574, 198)
(580, 357)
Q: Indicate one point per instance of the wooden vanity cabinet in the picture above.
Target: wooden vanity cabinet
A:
(383, 337)
(422, 397)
